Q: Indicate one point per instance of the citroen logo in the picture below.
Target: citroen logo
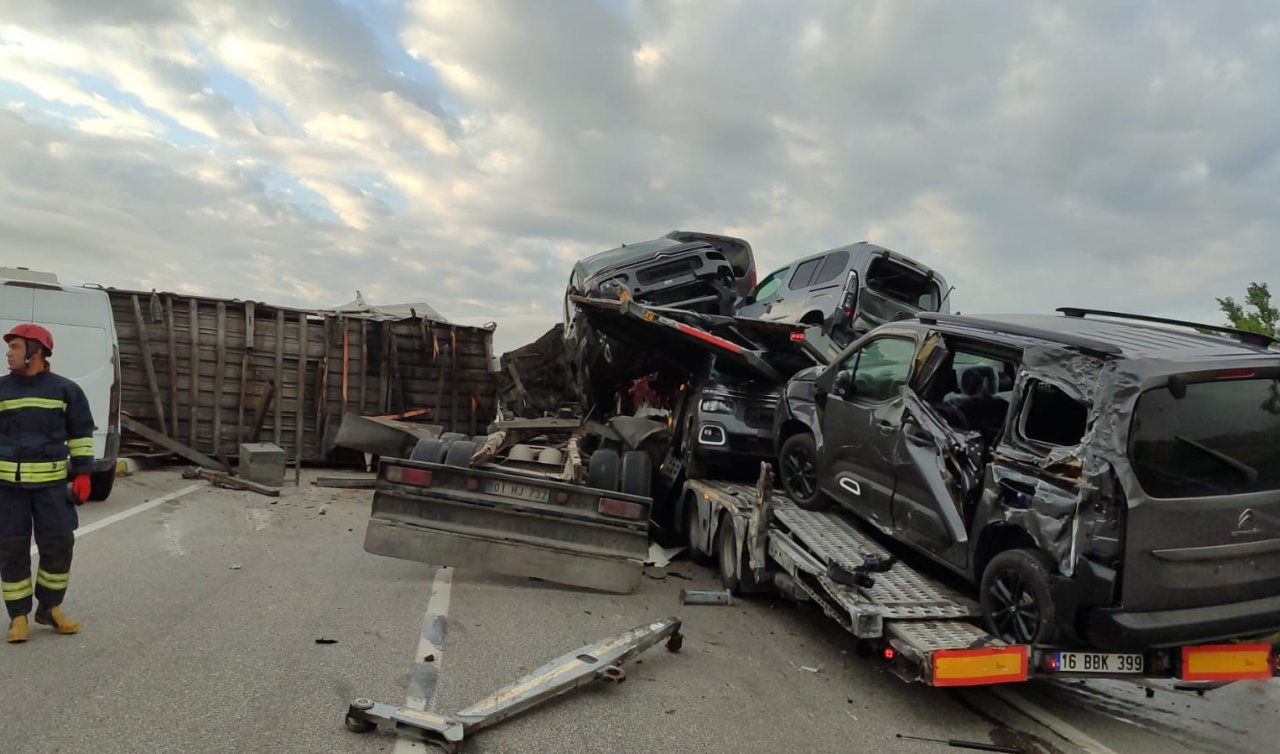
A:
(1245, 525)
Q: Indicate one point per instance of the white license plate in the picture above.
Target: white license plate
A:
(1099, 662)
(517, 491)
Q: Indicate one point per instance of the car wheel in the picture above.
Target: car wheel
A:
(429, 450)
(1016, 599)
(602, 470)
(100, 484)
(637, 473)
(459, 453)
(798, 472)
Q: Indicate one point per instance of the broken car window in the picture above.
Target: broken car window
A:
(1052, 417)
(879, 369)
(902, 283)
(1219, 439)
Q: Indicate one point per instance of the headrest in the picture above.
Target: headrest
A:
(979, 381)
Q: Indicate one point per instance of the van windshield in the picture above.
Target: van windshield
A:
(1222, 438)
(904, 284)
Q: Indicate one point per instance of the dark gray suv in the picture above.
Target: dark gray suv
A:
(1104, 478)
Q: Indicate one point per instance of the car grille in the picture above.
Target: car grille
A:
(669, 270)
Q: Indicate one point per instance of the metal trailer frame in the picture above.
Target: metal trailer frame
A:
(599, 661)
(926, 630)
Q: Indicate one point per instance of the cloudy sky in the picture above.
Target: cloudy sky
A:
(1040, 154)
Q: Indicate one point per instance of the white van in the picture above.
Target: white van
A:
(85, 350)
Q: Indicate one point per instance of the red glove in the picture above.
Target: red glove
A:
(80, 488)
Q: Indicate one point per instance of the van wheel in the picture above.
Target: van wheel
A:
(602, 470)
(100, 484)
(637, 473)
(1016, 600)
(798, 472)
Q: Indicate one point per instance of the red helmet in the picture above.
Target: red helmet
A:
(32, 332)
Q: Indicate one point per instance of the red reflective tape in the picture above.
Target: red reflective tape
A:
(709, 338)
(975, 667)
(1226, 662)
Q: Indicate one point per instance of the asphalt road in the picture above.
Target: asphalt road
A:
(201, 616)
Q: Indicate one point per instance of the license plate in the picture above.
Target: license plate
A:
(1099, 662)
(517, 491)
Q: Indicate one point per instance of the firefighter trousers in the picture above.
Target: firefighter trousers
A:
(52, 515)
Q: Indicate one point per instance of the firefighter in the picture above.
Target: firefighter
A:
(46, 437)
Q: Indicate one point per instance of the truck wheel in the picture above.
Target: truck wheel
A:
(1016, 600)
(798, 472)
(449, 438)
(637, 473)
(602, 470)
(100, 484)
(459, 454)
(693, 534)
(429, 450)
(737, 579)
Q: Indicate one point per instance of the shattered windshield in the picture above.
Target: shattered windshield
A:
(904, 284)
(1222, 438)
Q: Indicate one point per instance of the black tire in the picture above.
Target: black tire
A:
(100, 484)
(429, 450)
(602, 470)
(480, 439)
(737, 579)
(637, 474)
(459, 454)
(358, 724)
(1016, 601)
(693, 533)
(449, 438)
(798, 472)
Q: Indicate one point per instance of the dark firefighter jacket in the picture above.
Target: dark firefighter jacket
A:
(46, 426)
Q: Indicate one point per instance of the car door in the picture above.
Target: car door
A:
(860, 420)
(789, 299)
(938, 466)
(765, 295)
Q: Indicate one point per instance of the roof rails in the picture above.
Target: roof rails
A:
(1246, 337)
(1083, 343)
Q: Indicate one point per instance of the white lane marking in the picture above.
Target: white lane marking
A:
(424, 676)
(1052, 722)
(135, 510)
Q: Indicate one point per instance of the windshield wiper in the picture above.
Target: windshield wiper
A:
(1248, 472)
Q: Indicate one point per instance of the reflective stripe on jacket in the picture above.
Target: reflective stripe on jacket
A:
(46, 430)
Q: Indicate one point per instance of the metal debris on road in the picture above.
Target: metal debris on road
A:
(958, 744)
(661, 557)
(693, 597)
(326, 641)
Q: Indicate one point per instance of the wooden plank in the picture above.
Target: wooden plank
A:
(194, 361)
(220, 375)
(364, 361)
(225, 480)
(301, 405)
(168, 443)
(172, 358)
(244, 373)
(148, 363)
(397, 379)
(346, 362)
(453, 351)
(260, 414)
(435, 359)
(384, 373)
(279, 383)
(322, 394)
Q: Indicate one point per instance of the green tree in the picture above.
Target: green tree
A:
(1255, 314)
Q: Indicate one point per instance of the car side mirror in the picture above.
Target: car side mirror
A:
(842, 385)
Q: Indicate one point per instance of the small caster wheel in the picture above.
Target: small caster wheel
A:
(358, 724)
(675, 642)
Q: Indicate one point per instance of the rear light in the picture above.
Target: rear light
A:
(562, 497)
(751, 279)
(1050, 663)
(890, 653)
(1235, 374)
(797, 336)
(473, 485)
(405, 475)
(621, 509)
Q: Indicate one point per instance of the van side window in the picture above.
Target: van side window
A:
(804, 273)
(1053, 417)
(832, 265)
(769, 285)
(878, 370)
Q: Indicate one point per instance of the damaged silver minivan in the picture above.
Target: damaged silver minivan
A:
(1103, 478)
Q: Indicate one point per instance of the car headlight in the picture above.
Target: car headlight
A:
(716, 406)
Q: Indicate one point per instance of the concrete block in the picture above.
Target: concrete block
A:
(262, 462)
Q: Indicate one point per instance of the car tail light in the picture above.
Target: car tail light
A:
(1235, 374)
(473, 485)
(751, 279)
(1050, 663)
(890, 653)
(797, 336)
(621, 509)
(406, 475)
